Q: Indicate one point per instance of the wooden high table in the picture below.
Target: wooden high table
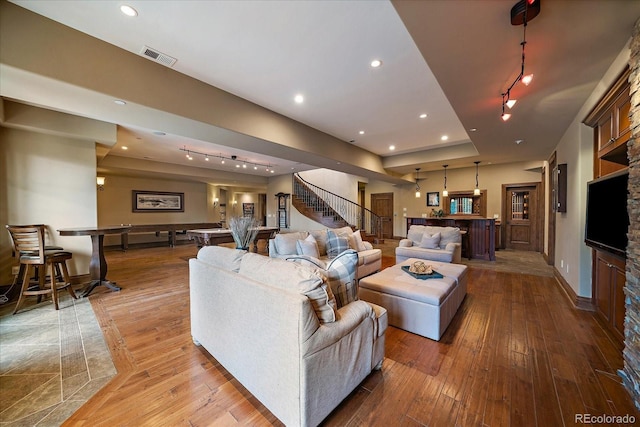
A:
(98, 264)
(215, 236)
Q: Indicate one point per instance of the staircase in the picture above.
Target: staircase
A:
(333, 211)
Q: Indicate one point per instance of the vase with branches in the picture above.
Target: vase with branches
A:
(244, 230)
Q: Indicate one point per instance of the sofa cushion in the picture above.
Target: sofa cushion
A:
(415, 234)
(336, 244)
(422, 253)
(308, 246)
(355, 241)
(430, 241)
(449, 235)
(286, 242)
(222, 257)
(294, 277)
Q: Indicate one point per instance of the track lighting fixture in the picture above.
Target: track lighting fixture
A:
(240, 163)
(521, 13)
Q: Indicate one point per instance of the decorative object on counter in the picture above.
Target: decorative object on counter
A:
(437, 213)
(244, 230)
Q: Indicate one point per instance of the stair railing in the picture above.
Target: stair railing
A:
(329, 203)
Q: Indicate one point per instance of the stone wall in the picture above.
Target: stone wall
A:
(631, 372)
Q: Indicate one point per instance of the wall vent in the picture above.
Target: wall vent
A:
(158, 57)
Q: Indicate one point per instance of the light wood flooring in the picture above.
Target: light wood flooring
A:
(516, 354)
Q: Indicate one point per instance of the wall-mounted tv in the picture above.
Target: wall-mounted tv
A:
(607, 219)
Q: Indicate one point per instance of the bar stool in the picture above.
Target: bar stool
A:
(29, 248)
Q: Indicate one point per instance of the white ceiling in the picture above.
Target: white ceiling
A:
(450, 59)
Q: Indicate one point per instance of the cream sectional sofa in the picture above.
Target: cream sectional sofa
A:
(272, 325)
(285, 245)
(433, 243)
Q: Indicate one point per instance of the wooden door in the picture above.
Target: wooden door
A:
(521, 218)
(382, 205)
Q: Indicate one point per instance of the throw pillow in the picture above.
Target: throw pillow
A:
(341, 275)
(321, 240)
(308, 246)
(430, 241)
(286, 242)
(355, 241)
(292, 276)
(335, 244)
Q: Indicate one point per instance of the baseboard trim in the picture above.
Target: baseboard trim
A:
(581, 303)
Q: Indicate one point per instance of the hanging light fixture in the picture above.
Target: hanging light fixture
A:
(417, 186)
(476, 191)
(521, 13)
(445, 193)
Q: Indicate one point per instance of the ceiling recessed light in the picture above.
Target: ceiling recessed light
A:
(423, 115)
(128, 10)
(119, 102)
(361, 132)
(519, 141)
(473, 129)
(376, 63)
(124, 147)
(299, 99)
(444, 137)
(392, 147)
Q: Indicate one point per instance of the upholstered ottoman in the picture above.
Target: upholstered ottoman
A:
(424, 307)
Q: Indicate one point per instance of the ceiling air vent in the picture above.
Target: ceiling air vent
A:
(156, 56)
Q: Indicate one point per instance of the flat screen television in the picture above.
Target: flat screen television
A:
(607, 219)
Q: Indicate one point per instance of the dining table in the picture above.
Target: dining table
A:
(98, 263)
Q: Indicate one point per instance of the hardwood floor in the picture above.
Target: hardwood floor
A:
(516, 354)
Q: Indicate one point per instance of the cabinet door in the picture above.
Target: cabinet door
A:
(605, 130)
(602, 286)
(619, 309)
(623, 121)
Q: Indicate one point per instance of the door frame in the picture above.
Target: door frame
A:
(551, 226)
(539, 213)
(390, 197)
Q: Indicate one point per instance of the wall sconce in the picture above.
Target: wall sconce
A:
(215, 202)
(445, 193)
(100, 181)
(476, 191)
(417, 186)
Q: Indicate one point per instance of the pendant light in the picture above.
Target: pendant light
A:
(417, 186)
(476, 191)
(445, 193)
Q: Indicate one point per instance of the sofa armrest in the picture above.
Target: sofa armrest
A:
(405, 243)
(349, 317)
(456, 250)
(273, 251)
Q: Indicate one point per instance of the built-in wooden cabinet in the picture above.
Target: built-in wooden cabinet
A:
(609, 278)
(465, 203)
(612, 130)
(610, 119)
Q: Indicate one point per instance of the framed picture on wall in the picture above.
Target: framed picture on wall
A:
(157, 201)
(433, 199)
(247, 209)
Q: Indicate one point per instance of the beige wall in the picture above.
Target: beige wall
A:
(50, 180)
(573, 257)
(115, 205)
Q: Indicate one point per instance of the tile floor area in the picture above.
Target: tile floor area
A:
(51, 362)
